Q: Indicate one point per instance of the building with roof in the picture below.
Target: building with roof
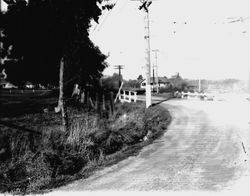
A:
(163, 82)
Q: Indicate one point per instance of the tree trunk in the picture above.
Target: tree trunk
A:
(61, 101)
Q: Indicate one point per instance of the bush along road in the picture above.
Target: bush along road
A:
(34, 163)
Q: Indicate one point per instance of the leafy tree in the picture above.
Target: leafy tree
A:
(49, 36)
(140, 78)
(111, 82)
(132, 84)
(178, 83)
(43, 32)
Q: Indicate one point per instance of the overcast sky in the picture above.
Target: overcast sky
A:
(207, 46)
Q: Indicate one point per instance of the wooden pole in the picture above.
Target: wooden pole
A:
(119, 91)
(61, 100)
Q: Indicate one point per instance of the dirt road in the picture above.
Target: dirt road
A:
(205, 148)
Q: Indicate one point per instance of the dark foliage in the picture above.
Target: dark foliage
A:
(111, 83)
(131, 84)
(42, 32)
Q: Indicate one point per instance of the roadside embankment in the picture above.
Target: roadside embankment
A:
(34, 163)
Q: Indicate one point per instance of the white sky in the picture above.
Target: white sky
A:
(207, 46)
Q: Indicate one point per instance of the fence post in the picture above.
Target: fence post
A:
(129, 96)
(124, 95)
(135, 96)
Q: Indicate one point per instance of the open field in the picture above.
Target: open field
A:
(18, 102)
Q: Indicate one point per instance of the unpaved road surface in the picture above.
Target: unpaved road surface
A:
(205, 148)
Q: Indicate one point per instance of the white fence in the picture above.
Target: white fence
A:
(127, 96)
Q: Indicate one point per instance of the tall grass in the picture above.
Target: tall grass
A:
(52, 159)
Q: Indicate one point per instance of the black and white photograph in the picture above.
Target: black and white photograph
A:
(117, 97)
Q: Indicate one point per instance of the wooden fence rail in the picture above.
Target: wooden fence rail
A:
(128, 96)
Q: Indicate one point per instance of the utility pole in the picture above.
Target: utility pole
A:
(155, 69)
(146, 4)
(145, 8)
(119, 67)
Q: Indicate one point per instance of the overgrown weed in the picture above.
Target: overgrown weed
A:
(55, 158)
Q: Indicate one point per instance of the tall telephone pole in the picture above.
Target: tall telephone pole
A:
(145, 8)
(155, 69)
(119, 67)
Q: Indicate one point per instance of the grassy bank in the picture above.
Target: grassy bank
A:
(48, 158)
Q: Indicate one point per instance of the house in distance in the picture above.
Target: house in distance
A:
(163, 82)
